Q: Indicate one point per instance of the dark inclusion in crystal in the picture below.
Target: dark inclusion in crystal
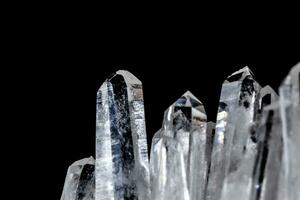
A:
(247, 89)
(86, 182)
(122, 147)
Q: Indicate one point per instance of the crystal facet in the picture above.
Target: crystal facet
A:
(80, 181)
(179, 157)
(122, 168)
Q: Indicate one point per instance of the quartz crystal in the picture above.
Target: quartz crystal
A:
(80, 181)
(122, 168)
(267, 172)
(234, 151)
(251, 153)
(290, 115)
(235, 117)
(245, 179)
(180, 152)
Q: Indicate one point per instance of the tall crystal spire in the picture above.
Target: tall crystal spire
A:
(179, 155)
(237, 108)
(122, 169)
(290, 115)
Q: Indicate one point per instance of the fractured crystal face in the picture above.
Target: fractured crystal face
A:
(180, 151)
(80, 181)
(290, 115)
(122, 168)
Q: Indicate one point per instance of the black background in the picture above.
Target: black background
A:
(63, 63)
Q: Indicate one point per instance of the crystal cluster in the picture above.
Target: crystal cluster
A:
(250, 153)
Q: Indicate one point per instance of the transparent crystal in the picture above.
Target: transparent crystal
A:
(290, 115)
(267, 173)
(122, 168)
(235, 116)
(80, 181)
(180, 152)
(245, 179)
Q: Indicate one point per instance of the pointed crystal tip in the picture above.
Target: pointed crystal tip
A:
(268, 90)
(293, 77)
(129, 77)
(84, 161)
(296, 67)
(187, 99)
(295, 72)
(240, 74)
(188, 94)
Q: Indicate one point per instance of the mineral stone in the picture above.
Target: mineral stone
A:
(80, 181)
(122, 168)
(180, 152)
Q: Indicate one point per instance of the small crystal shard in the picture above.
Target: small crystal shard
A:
(80, 181)
(122, 168)
(179, 157)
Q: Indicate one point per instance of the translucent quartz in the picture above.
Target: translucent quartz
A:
(180, 152)
(122, 168)
(80, 181)
(245, 179)
(235, 116)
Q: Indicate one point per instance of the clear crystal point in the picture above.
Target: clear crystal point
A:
(179, 160)
(238, 108)
(290, 115)
(247, 179)
(80, 181)
(235, 117)
(240, 75)
(268, 164)
(122, 168)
